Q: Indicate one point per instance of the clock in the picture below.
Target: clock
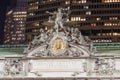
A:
(58, 45)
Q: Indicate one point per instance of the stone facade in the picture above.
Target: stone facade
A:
(61, 53)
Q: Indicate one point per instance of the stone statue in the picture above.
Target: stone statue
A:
(59, 15)
(59, 19)
(76, 44)
(13, 66)
(104, 66)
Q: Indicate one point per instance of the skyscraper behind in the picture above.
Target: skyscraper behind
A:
(98, 19)
(3, 6)
(15, 23)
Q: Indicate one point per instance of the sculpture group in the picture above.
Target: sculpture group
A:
(76, 44)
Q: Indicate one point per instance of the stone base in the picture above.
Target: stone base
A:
(83, 78)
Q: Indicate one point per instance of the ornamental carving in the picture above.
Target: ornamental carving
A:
(13, 67)
(61, 40)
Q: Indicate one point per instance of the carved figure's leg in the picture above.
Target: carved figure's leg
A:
(56, 26)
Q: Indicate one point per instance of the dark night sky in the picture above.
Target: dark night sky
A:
(3, 6)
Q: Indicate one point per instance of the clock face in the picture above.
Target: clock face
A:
(58, 46)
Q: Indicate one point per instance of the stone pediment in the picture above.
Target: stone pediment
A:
(60, 41)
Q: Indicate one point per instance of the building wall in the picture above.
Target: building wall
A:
(98, 19)
(15, 23)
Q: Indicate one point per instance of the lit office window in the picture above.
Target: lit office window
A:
(13, 39)
(83, 19)
(78, 19)
(110, 1)
(119, 24)
(31, 14)
(83, 1)
(36, 24)
(34, 3)
(19, 38)
(88, 13)
(37, 2)
(93, 24)
(111, 24)
(108, 24)
(105, 34)
(67, 2)
(78, 1)
(72, 18)
(102, 40)
(98, 19)
(113, 18)
(116, 34)
(34, 30)
(33, 8)
(86, 7)
(114, 24)
(51, 0)
(46, 28)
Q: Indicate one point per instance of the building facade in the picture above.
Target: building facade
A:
(98, 19)
(61, 53)
(15, 23)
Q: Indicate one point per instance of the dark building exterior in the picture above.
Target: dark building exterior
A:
(15, 23)
(3, 6)
(98, 19)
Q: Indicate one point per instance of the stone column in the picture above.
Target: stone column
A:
(26, 65)
(89, 66)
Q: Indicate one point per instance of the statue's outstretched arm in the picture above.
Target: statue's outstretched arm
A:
(69, 12)
(50, 12)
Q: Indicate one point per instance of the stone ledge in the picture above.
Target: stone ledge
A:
(83, 78)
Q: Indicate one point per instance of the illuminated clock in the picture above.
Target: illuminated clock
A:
(58, 45)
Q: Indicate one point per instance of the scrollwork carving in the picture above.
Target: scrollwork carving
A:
(13, 67)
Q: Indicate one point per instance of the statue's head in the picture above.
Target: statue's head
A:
(41, 30)
(59, 9)
(76, 29)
